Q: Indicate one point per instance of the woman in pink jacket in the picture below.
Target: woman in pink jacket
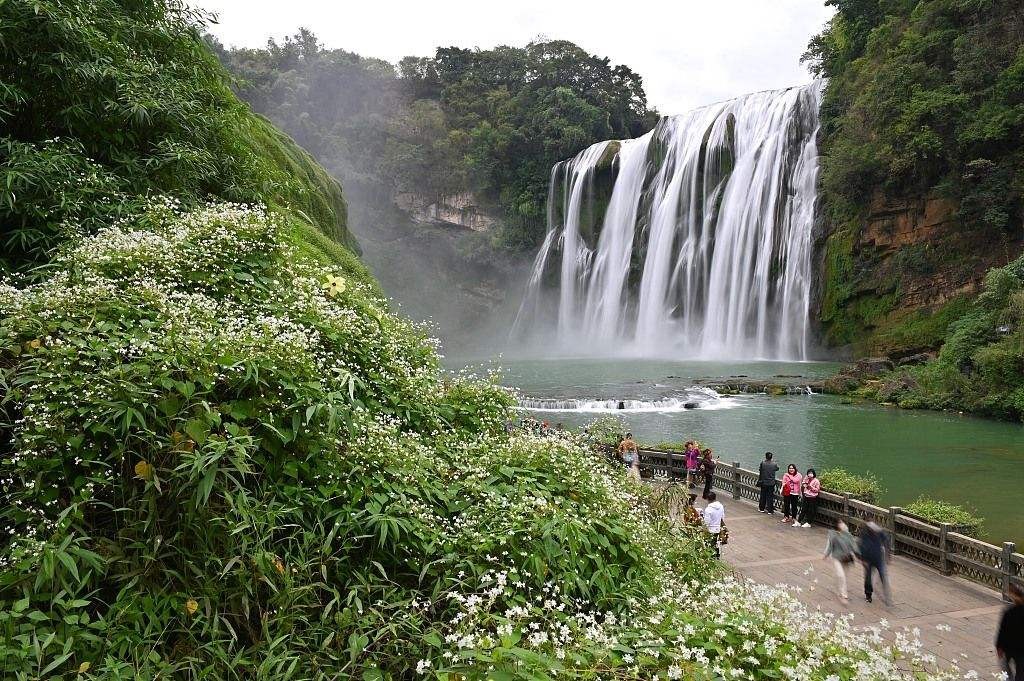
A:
(812, 487)
(692, 461)
(791, 494)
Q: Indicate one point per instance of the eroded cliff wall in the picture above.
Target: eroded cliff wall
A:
(895, 276)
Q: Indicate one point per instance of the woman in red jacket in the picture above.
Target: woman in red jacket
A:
(812, 487)
(791, 494)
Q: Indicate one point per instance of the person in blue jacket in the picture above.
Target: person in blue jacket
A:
(873, 552)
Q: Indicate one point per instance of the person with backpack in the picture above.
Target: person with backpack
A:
(873, 553)
(791, 494)
(809, 509)
(841, 549)
(766, 481)
(714, 521)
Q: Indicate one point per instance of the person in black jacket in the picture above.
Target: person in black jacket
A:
(1010, 639)
(872, 551)
(707, 467)
(766, 481)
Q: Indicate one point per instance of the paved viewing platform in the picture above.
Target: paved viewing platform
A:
(957, 618)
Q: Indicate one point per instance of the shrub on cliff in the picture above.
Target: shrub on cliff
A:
(980, 368)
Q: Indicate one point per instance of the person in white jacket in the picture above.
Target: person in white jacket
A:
(714, 516)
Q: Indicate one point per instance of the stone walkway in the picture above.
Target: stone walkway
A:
(765, 550)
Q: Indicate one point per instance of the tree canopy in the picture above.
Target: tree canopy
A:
(488, 121)
(926, 96)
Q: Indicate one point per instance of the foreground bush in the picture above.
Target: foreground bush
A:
(606, 430)
(841, 481)
(724, 629)
(225, 461)
(221, 461)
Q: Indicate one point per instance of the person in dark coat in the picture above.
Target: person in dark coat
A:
(1010, 639)
(872, 551)
(707, 467)
(766, 481)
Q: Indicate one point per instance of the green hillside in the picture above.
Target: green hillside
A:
(923, 191)
(104, 104)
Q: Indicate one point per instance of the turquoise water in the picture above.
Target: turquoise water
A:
(961, 459)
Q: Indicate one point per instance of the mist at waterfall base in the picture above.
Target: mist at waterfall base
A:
(693, 241)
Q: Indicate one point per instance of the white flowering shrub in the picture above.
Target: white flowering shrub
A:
(220, 460)
(709, 629)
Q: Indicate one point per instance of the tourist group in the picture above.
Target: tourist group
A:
(799, 507)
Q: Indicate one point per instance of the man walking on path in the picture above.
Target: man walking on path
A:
(872, 552)
(1010, 639)
(766, 480)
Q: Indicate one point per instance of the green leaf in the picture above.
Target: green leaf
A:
(69, 563)
(198, 430)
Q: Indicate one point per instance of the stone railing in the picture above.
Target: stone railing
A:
(939, 546)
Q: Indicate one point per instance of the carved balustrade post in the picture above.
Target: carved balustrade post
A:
(1007, 564)
(944, 567)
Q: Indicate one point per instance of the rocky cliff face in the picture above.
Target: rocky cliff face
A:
(896, 275)
(458, 210)
(436, 259)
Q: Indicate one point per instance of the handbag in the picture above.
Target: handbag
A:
(723, 534)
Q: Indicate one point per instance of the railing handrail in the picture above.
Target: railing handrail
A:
(937, 545)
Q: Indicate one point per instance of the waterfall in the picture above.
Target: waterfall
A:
(692, 241)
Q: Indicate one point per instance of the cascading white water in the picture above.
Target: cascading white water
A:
(704, 247)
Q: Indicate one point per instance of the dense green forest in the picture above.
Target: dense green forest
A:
(491, 122)
(925, 96)
(926, 99)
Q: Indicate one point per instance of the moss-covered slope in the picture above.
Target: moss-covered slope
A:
(923, 164)
(105, 103)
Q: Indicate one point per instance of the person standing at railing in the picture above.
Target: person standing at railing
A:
(630, 455)
(766, 481)
(1010, 639)
(841, 548)
(692, 461)
(873, 551)
(707, 468)
(791, 482)
(809, 509)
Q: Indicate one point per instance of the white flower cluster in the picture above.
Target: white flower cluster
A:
(726, 629)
